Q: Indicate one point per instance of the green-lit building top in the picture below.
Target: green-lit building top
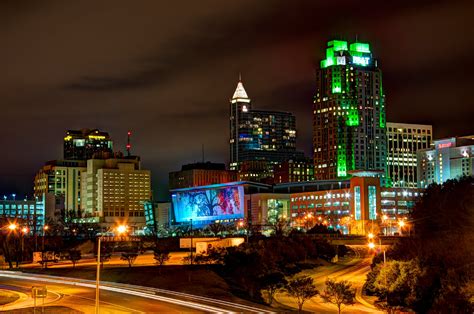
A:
(349, 131)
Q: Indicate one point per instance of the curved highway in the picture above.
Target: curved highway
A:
(354, 270)
(114, 298)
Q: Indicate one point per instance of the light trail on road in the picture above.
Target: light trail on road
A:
(217, 306)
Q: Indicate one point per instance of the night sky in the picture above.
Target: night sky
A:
(166, 71)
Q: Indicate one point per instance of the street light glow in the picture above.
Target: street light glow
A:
(24, 230)
(122, 229)
(12, 227)
(370, 235)
(401, 223)
(371, 245)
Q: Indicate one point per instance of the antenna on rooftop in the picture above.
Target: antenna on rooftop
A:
(129, 146)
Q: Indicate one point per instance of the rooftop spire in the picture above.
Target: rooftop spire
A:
(240, 92)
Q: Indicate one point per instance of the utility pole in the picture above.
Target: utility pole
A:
(191, 251)
(97, 279)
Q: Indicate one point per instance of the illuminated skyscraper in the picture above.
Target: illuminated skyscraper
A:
(61, 178)
(404, 140)
(113, 191)
(349, 131)
(451, 158)
(259, 135)
(83, 144)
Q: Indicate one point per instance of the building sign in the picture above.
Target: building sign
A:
(364, 61)
(120, 239)
(445, 145)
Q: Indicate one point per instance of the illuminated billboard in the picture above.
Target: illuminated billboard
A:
(211, 204)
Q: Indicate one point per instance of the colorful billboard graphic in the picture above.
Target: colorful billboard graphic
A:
(209, 204)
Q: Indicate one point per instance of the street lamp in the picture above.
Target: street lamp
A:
(24, 231)
(120, 230)
(45, 228)
(12, 226)
(401, 224)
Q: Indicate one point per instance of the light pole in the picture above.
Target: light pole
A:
(120, 230)
(24, 231)
(45, 228)
(191, 246)
(401, 224)
(371, 246)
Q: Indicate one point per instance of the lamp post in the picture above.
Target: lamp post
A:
(191, 250)
(120, 230)
(24, 231)
(45, 228)
(371, 246)
(401, 224)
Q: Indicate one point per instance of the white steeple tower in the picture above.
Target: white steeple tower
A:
(240, 95)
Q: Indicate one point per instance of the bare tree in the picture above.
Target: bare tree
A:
(338, 293)
(74, 256)
(271, 283)
(161, 256)
(302, 289)
(130, 257)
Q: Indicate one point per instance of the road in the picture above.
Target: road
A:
(146, 259)
(114, 298)
(354, 270)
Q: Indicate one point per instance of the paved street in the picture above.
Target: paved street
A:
(353, 270)
(114, 298)
(146, 259)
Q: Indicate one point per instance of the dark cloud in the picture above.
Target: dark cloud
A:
(166, 71)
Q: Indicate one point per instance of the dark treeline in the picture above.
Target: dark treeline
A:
(432, 272)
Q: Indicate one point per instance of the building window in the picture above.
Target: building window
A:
(357, 203)
(372, 202)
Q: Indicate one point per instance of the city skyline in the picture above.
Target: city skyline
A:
(177, 91)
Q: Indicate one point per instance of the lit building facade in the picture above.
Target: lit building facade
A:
(450, 158)
(256, 171)
(349, 126)
(25, 213)
(62, 178)
(84, 144)
(157, 216)
(202, 173)
(294, 171)
(361, 206)
(114, 191)
(404, 140)
(259, 134)
(356, 206)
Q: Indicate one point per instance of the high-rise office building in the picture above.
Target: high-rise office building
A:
(25, 213)
(404, 140)
(349, 128)
(200, 173)
(450, 158)
(61, 178)
(114, 191)
(84, 144)
(294, 171)
(259, 134)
